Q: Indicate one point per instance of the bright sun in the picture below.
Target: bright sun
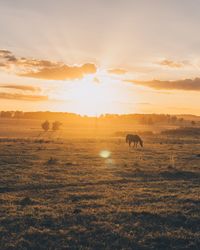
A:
(92, 95)
(90, 98)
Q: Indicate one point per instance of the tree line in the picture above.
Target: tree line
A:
(144, 119)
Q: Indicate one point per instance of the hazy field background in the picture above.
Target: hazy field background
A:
(58, 192)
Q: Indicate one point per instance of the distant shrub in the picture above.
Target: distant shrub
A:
(26, 201)
(56, 126)
(45, 126)
(193, 123)
(41, 141)
(52, 161)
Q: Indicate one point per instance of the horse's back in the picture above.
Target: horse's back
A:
(137, 136)
(132, 137)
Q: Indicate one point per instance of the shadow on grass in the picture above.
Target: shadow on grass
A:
(123, 230)
(71, 232)
(77, 198)
(180, 175)
(173, 174)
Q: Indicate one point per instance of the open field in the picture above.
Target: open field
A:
(61, 194)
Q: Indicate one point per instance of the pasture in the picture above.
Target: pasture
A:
(95, 193)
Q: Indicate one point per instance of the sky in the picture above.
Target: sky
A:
(98, 56)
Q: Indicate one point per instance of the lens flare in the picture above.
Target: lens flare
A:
(105, 154)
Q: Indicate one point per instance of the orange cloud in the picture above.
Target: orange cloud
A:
(22, 97)
(172, 64)
(44, 69)
(20, 87)
(62, 72)
(187, 84)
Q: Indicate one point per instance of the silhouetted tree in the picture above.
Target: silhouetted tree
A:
(45, 126)
(173, 119)
(56, 125)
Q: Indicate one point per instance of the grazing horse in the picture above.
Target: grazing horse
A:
(135, 139)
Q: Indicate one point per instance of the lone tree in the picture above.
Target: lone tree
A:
(56, 126)
(45, 126)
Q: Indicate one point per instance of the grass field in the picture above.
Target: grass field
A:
(62, 194)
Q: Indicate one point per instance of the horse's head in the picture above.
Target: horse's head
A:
(141, 143)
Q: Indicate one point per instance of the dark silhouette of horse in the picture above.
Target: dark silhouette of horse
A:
(135, 139)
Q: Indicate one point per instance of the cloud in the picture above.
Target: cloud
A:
(26, 62)
(43, 69)
(22, 97)
(187, 84)
(172, 64)
(62, 72)
(4, 52)
(20, 87)
(117, 71)
(7, 55)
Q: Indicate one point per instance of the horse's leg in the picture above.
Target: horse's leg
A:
(129, 144)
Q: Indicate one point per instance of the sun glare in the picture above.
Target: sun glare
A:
(93, 95)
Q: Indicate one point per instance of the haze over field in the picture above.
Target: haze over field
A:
(93, 57)
(99, 125)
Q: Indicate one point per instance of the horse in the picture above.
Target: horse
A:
(135, 139)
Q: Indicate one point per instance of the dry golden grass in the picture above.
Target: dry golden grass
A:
(61, 194)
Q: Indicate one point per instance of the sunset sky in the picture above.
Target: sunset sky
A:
(100, 56)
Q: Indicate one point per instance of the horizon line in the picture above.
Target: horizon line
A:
(100, 115)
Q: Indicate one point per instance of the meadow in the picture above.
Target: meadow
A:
(65, 192)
